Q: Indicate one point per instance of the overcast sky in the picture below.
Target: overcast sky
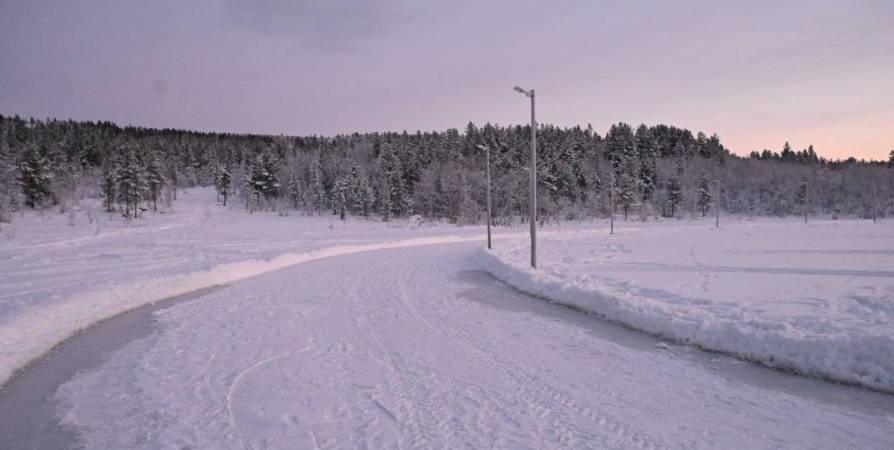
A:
(756, 73)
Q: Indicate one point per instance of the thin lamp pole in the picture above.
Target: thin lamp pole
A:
(487, 156)
(533, 218)
(806, 199)
(611, 205)
(717, 209)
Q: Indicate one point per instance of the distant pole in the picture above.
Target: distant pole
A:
(487, 171)
(874, 205)
(806, 200)
(611, 206)
(487, 158)
(533, 218)
(717, 208)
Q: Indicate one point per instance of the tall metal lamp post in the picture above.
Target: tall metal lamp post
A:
(487, 153)
(806, 199)
(611, 205)
(717, 208)
(533, 207)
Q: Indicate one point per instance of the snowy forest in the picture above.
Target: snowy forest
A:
(644, 172)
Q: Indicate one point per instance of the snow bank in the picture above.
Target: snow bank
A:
(36, 330)
(855, 355)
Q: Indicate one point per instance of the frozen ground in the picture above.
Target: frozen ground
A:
(398, 340)
(58, 279)
(816, 299)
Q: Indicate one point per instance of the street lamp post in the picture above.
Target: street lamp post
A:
(806, 199)
(487, 171)
(530, 94)
(611, 205)
(717, 208)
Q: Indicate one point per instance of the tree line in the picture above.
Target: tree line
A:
(641, 172)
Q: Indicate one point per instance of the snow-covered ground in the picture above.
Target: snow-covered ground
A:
(60, 278)
(817, 299)
(370, 335)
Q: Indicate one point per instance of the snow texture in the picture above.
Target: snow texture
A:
(817, 300)
(402, 342)
(59, 279)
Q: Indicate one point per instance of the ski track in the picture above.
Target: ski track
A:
(552, 406)
(415, 411)
(379, 359)
(232, 390)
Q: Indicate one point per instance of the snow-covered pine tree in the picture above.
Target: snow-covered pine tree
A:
(705, 198)
(36, 177)
(800, 197)
(366, 196)
(648, 153)
(155, 177)
(131, 181)
(394, 195)
(675, 191)
(619, 144)
(9, 180)
(224, 182)
(317, 191)
(248, 194)
(384, 202)
(352, 193)
(264, 179)
(628, 184)
(108, 184)
(173, 176)
(295, 190)
(340, 197)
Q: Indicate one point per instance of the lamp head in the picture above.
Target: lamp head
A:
(520, 90)
(481, 147)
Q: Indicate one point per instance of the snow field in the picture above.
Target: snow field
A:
(60, 279)
(414, 347)
(418, 349)
(815, 300)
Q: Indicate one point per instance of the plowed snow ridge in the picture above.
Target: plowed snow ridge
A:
(850, 355)
(55, 323)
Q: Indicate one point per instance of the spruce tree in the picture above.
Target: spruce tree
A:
(155, 178)
(340, 197)
(705, 198)
(366, 197)
(108, 184)
(131, 182)
(628, 185)
(9, 180)
(395, 198)
(619, 144)
(675, 190)
(317, 191)
(648, 169)
(35, 177)
(264, 179)
(224, 183)
(295, 190)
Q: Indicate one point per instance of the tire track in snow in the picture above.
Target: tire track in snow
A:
(406, 415)
(547, 402)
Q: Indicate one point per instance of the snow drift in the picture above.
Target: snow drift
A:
(817, 348)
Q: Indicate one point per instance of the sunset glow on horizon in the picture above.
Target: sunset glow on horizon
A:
(758, 74)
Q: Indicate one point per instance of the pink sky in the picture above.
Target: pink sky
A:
(756, 73)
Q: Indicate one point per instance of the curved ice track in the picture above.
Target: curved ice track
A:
(414, 348)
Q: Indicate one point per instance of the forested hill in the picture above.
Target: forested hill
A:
(656, 171)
